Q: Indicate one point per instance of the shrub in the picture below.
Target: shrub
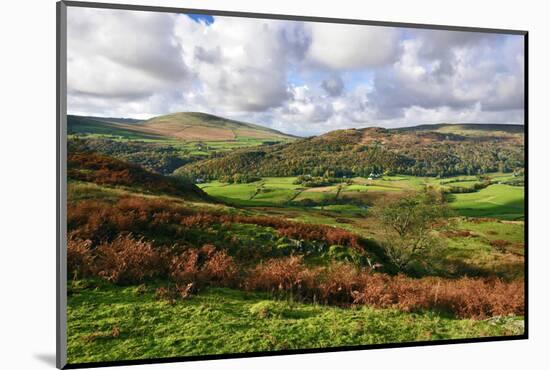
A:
(184, 268)
(126, 260)
(219, 268)
(344, 284)
(199, 220)
(466, 297)
(79, 257)
(327, 234)
(284, 275)
(341, 253)
(342, 237)
(129, 260)
(299, 230)
(102, 221)
(339, 280)
(500, 245)
(204, 266)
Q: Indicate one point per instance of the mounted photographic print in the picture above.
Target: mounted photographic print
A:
(236, 184)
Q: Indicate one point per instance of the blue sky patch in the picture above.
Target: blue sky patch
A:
(205, 18)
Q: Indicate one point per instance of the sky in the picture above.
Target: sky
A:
(302, 78)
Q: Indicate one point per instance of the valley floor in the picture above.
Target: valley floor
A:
(498, 200)
(256, 222)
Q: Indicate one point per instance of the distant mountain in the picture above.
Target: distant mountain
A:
(427, 150)
(186, 126)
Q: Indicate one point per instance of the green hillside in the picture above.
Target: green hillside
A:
(163, 144)
(106, 127)
(469, 129)
(440, 150)
(185, 126)
(202, 126)
(89, 167)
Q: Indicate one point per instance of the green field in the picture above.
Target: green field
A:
(144, 327)
(270, 191)
(498, 201)
(195, 147)
(233, 191)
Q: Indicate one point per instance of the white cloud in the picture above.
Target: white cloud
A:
(473, 114)
(122, 54)
(306, 109)
(464, 75)
(344, 47)
(302, 78)
(247, 61)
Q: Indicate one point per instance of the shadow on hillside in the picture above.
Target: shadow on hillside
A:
(514, 210)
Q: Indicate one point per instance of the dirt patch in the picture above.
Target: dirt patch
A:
(458, 234)
(321, 189)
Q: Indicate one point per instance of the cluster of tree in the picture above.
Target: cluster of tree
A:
(467, 189)
(239, 178)
(481, 183)
(345, 154)
(317, 181)
(520, 181)
(464, 158)
(154, 157)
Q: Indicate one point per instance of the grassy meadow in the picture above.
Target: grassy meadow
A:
(499, 201)
(109, 323)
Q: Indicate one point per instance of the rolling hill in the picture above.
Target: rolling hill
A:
(202, 126)
(86, 166)
(469, 129)
(439, 150)
(106, 127)
(185, 126)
